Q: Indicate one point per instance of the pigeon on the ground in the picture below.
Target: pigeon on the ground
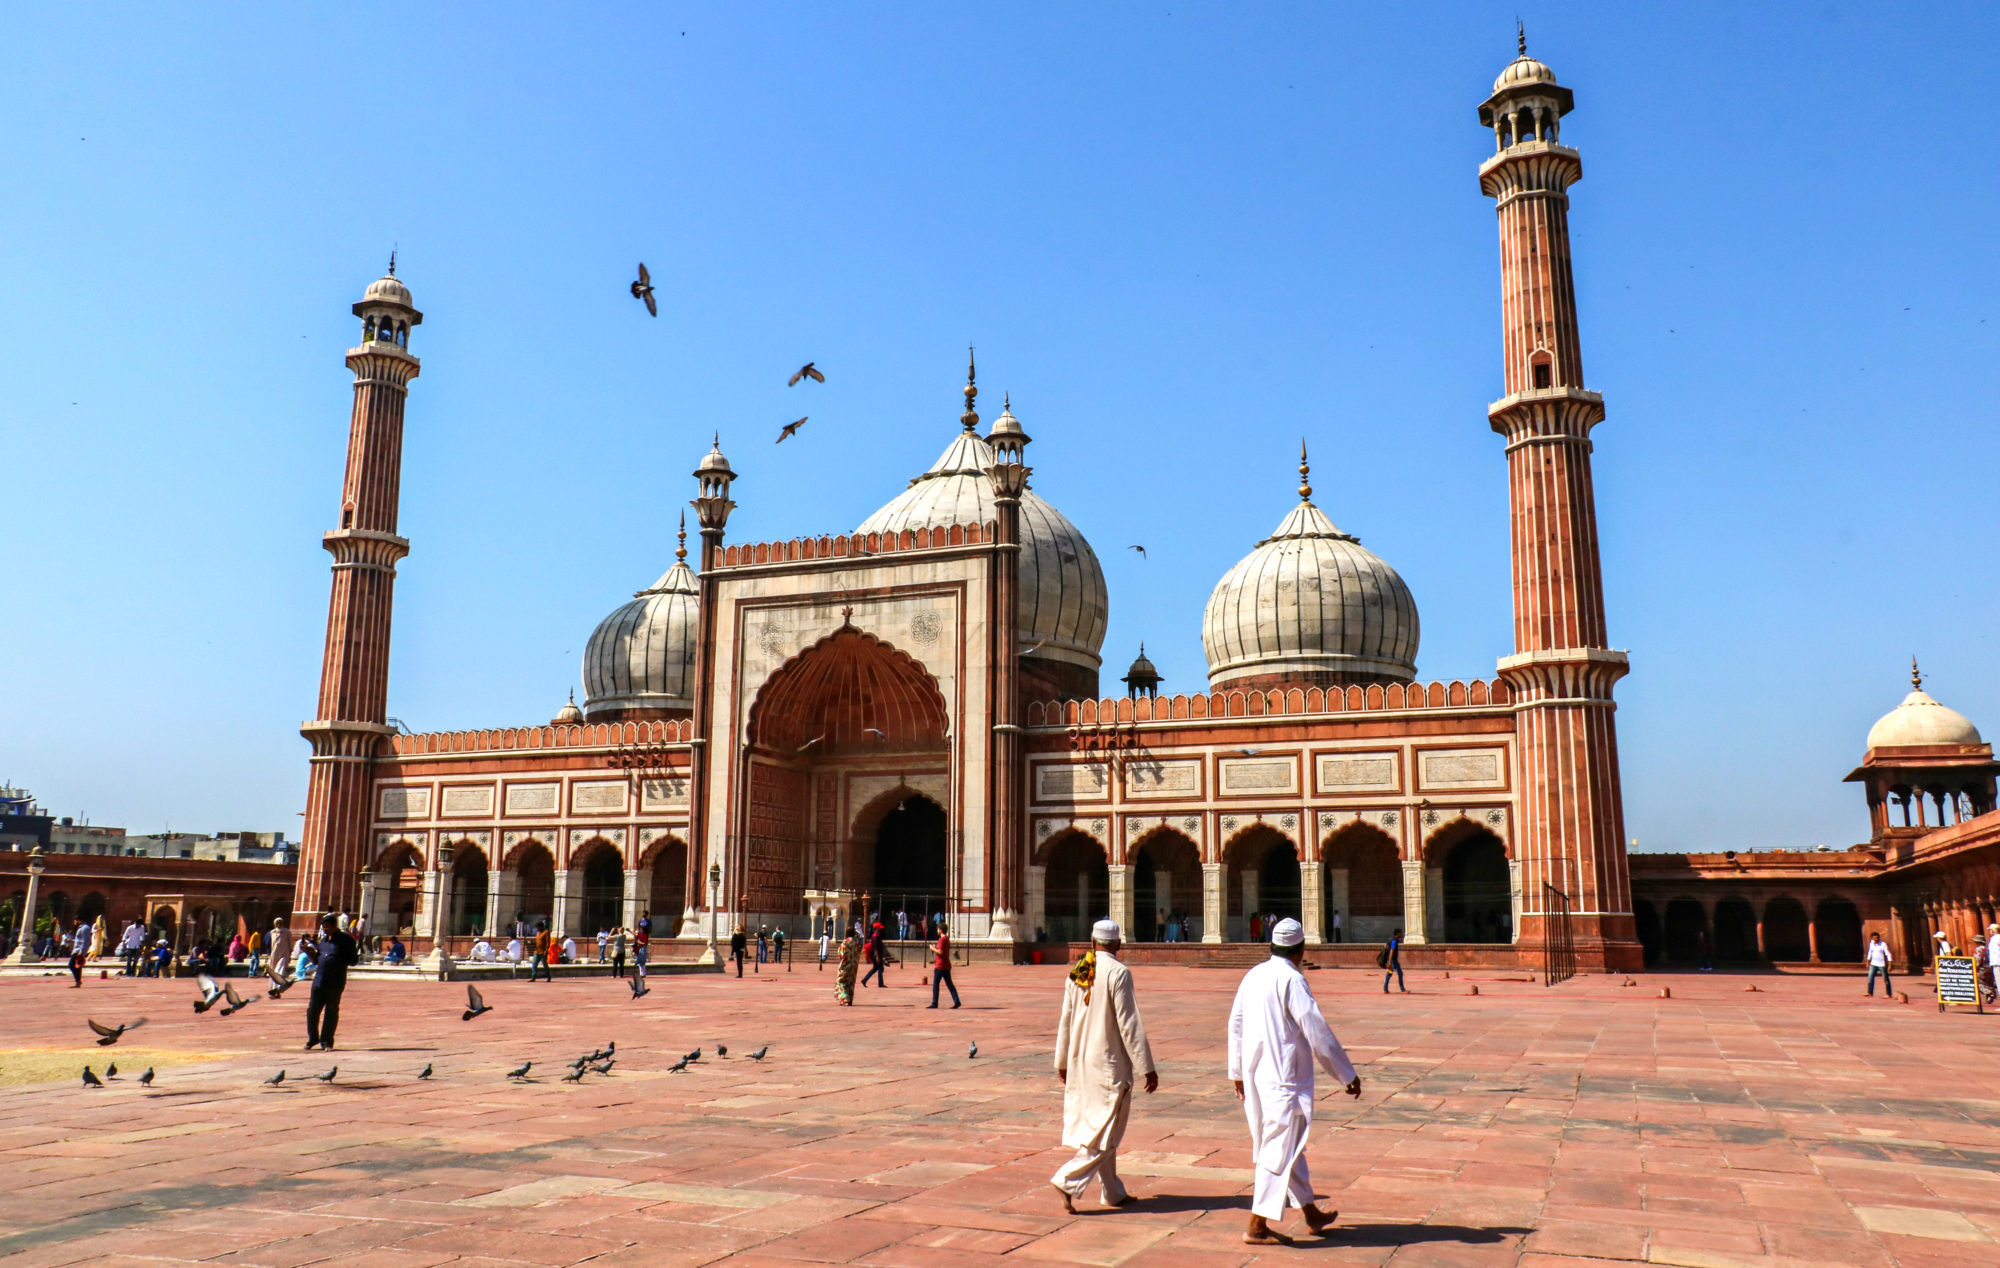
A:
(759, 1054)
(146, 1079)
(210, 993)
(806, 371)
(328, 1076)
(109, 1035)
(473, 1004)
(678, 1066)
(610, 1049)
(275, 1079)
(695, 1055)
(639, 988)
(425, 1073)
(521, 1073)
(790, 430)
(91, 1080)
(721, 1050)
(574, 1076)
(643, 289)
(972, 1051)
(111, 1071)
(236, 1002)
(603, 1067)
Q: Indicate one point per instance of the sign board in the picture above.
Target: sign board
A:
(1957, 981)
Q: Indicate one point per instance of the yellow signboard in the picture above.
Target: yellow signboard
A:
(1957, 981)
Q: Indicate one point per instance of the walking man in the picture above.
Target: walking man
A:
(540, 962)
(133, 944)
(1276, 1033)
(738, 943)
(1391, 960)
(1336, 924)
(336, 952)
(281, 945)
(1100, 1048)
(878, 959)
(618, 951)
(642, 946)
(1878, 963)
(941, 967)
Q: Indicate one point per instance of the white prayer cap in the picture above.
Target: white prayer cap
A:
(1105, 931)
(1288, 933)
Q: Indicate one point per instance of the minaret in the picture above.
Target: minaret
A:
(1571, 834)
(350, 726)
(1006, 796)
(708, 853)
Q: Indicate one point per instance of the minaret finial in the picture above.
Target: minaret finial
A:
(1305, 473)
(1520, 37)
(1916, 676)
(392, 261)
(970, 418)
(681, 551)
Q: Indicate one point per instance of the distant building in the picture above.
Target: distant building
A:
(23, 826)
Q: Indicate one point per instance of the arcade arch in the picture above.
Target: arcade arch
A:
(1076, 885)
(1261, 881)
(467, 917)
(1363, 880)
(533, 878)
(1478, 888)
(602, 889)
(666, 898)
(1166, 887)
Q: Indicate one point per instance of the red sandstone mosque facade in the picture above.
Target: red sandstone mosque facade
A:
(907, 717)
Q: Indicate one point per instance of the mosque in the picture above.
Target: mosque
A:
(910, 716)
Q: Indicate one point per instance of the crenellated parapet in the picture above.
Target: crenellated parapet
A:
(856, 546)
(526, 738)
(1295, 702)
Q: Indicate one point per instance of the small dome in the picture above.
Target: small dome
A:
(1141, 666)
(1524, 70)
(1063, 603)
(641, 657)
(1007, 427)
(1310, 600)
(1922, 720)
(569, 713)
(713, 463)
(388, 289)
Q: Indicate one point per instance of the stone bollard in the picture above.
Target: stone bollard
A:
(1666, 992)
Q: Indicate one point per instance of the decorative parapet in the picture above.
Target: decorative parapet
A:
(589, 735)
(855, 546)
(1291, 702)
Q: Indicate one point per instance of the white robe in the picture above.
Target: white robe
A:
(1276, 1032)
(1101, 1050)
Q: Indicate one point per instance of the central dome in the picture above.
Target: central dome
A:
(1310, 605)
(1064, 605)
(639, 662)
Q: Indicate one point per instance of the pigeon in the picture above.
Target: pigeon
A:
(643, 289)
(678, 1066)
(875, 731)
(328, 1076)
(603, 1067)
(721, 1050)
(695, 1055)
(473, 1004)
(210, 993)
(275, 1079)
(790, 430)
(521, 1073)
(425, 1073)
(236, 1002)
(574, 1076)
(639, 988)
(279, 985)
(759, 1054)
(972, 1051)
(91, 1080)
(610, 1049)
(1140, 549)
(111, 1071)
(806, 371)
(110, 1034)
(146, 1079)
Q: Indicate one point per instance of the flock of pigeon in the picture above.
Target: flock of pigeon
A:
(599, 1061)
(642, 290)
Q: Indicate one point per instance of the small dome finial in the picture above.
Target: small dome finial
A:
(392, 261)
(681, 551)
(1916, 676)
(970, 418)
(1305, 473)
(1520, 37)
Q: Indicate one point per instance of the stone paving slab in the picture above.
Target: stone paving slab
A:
(1588, 1124)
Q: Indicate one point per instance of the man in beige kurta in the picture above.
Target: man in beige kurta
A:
(1100, 1047)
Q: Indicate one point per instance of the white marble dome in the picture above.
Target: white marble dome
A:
(1524, 70)
(1310, 600)
(1064, 605)
(1922, 720)
(388, 289)
(642, 655)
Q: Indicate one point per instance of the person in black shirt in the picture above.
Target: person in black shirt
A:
(336, 952)
(738, 943)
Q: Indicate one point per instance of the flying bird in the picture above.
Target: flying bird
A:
(806, 371)
(521, 1073)
(146, 1079)
(279, 982)
(91, 1080)
(236, 1002)
(789, 430)
(809, 743)
(425, 1073)
(1140, 549)
(210, 993)
(972, 1051)
(473, 1004)
(1036, 648)
(639, 988)
(110, 1035)
(643, 289)
(759, 1054)
(328, 1076)
(875, 731)
(275, 1079)
(111, 1071)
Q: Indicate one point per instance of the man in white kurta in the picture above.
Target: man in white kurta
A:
(1276, 1033)
(1100, 1048)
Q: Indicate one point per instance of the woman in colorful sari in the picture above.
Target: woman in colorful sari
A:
(850, 965)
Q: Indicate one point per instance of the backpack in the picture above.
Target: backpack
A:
(1382, 957)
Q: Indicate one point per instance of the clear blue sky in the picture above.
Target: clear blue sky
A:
(1182, 236)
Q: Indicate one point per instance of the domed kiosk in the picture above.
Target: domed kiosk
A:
(1926, 766)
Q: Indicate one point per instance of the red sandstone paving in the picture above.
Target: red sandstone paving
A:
(1589, 1124)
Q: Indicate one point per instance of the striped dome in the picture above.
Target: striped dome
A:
(642, 655)
(1310, 600)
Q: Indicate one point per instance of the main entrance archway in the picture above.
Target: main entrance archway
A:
(911, 859)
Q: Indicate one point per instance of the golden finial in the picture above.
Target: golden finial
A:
(681, 551)
(1916, 676)
(1305, 473)
(971, 415)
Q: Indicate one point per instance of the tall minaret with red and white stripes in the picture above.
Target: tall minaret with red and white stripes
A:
(1570, 842)
(351, 725)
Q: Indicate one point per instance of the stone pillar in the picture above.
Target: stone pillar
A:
(1037, 900)
(1434, 904)
(1246, 881)
(638, 889)
(1336, 900)
(1812, 937)
(1415, 908)
(1312, 903)
(367, 906)
(563, 914)
(496, 902)
(1514, 897)
(1121, 901)
(24, 953)
(430, 921)
(1213, 908)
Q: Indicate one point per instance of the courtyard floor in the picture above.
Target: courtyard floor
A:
(1799, 1124)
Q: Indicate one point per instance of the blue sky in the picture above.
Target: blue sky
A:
(1182, 237)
